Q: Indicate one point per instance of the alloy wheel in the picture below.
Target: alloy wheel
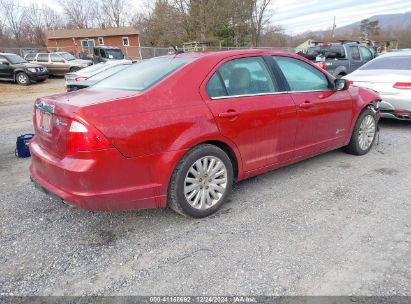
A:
(366, 132)
(205, 182)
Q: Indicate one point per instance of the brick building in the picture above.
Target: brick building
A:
(82, 40)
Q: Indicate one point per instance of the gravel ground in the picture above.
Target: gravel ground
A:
(335, 224)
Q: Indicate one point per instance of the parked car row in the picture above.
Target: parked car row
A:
(178, 130)
(37, 66)
(15, 68)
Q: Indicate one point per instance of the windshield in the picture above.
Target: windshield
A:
(67, 56)
(144, 74)
(114, 54)
(108, 72)
(389, 63)
(15, 59)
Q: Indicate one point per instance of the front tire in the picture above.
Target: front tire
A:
(22, 79)
(201, 182)
(364, 133)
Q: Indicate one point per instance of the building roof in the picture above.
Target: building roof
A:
(91, 32)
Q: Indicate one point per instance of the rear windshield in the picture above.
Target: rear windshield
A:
(108, 72)
(389, 63)
(144, 74)
(328, 51)
(114, 54)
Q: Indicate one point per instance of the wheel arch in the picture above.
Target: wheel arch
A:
(229, 151)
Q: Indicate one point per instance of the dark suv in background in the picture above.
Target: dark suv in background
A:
(339, 58)
(15, 68)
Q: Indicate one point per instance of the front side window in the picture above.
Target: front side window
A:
(301, 76)
(142, 75)
(3, 60)
(243, 76)
(355, 53)
(366, 53)
(43, 58)
(56, 58)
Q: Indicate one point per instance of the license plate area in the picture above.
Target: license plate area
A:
(44, 120)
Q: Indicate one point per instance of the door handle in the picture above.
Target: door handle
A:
(306, 105)
(228, 114)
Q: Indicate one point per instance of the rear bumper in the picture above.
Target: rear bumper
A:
(396, 106)
(103, 180)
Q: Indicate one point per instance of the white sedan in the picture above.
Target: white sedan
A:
(390, 76)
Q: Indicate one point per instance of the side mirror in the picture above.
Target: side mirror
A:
(341, 84)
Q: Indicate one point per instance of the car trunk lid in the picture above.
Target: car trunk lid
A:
(53, 115)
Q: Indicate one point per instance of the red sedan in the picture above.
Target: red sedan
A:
(178, 130)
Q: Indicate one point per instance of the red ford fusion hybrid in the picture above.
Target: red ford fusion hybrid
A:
(178, 130)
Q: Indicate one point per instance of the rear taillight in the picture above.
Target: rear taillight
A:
(402, 85)
(84, 137)
(80, 78)
(322, 65)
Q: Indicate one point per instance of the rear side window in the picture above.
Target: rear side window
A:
(43, 58)
(355, 53)
(389, 63)
(142, 75)
(215, 87)
(301, 76)
(244, 76)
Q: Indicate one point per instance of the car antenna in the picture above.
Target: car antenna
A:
(177, 50)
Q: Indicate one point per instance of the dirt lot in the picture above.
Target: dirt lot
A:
(332, 225)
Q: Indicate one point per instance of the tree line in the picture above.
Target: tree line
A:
(161, 22)
(240, 23)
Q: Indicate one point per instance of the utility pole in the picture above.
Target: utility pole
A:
(333, 30)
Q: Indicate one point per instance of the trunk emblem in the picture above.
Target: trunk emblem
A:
(60, 123)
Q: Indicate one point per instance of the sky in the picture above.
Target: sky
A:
(298, 16)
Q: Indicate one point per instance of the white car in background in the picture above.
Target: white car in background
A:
(390, 75)
(92, 70)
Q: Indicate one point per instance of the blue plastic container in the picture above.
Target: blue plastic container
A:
(22, 145)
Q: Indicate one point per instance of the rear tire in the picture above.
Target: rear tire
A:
(201, 182)
(22, 79)
(364, 133)
(74, 69)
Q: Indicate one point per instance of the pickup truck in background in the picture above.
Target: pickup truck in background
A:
(339, 58)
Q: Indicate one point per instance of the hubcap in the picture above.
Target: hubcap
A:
(367, 132)
(205, 182)
(22, 79)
